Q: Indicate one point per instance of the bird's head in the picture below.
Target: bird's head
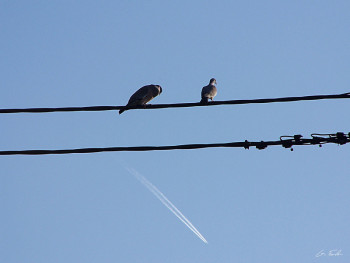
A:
(160, 89)
(212, 81)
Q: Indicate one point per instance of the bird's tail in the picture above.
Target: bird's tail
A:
(121, 111)
(204, 100)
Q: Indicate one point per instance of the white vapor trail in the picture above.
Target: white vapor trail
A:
(165, 201)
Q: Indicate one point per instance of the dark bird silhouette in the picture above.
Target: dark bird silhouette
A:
(142, 96)
(209, 92)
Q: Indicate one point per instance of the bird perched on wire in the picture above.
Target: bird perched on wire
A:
(209, 92)
(142, 96)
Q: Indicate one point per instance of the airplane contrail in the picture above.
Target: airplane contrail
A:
(165, 201)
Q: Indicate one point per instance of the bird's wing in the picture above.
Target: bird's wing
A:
(206, 90)
(209, 91)
(141, 96)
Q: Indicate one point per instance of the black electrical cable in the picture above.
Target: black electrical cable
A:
(177, 105)
(338, 138)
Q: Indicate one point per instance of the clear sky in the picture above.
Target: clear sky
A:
(252, 206)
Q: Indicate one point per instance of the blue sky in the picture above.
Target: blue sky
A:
(252, 206)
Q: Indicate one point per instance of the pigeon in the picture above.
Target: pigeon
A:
(142, 96)
(209, 92)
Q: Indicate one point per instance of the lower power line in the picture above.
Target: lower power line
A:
(339, 138)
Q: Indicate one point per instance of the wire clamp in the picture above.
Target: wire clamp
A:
(341, 138)
(261, 145)
(246, 145)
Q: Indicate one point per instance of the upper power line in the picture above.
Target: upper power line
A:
(286, 141)
(178, 105)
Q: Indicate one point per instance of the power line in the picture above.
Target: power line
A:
(286, 141)
(178, 105)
